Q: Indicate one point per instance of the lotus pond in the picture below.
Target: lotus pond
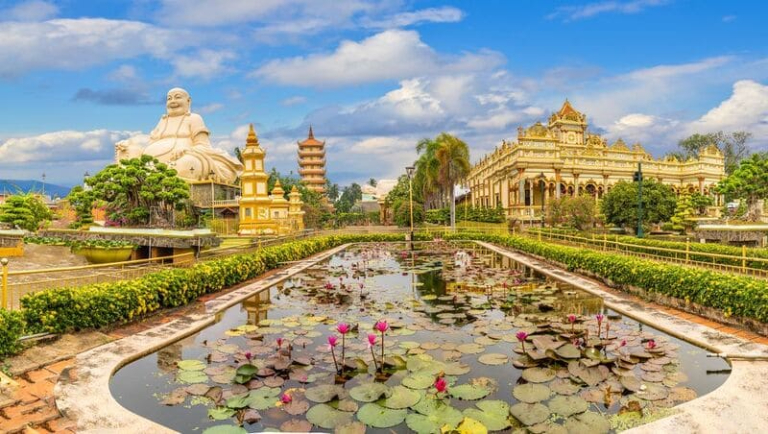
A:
(471, 342)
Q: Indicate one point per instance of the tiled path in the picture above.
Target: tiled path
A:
(27, 404)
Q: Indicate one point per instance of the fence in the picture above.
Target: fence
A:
(737, 264)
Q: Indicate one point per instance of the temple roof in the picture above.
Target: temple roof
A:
(567, 108)
(311, 140)
(252, 143)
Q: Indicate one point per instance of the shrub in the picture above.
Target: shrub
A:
(11, 329)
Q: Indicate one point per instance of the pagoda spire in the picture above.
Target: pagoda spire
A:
(252, 139)
(311, 134)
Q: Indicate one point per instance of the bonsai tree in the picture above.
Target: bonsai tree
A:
(25, 211)
(749, 182)
(620, 204)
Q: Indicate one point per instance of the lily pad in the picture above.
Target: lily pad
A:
(238, 401)
(538, 375)
(263, 398)
(630, 382)
(192, 377)
(568, 351)
(191, 365)
(568, 405)
(370, 392)
(471, 426)
(530, 414)
(401, 397)
(296, 425)
(433, 416)
(377, 416)
(471, 348)
(478, 388)
(327, 417)
(456, 368)
(324, 393)
(225, 429)
(564, 386)
(296, 407)
(419, 381)
(587, 423)
(350, 428)
(531, 393)
(221, 413)
(493, 414)
(493, 359)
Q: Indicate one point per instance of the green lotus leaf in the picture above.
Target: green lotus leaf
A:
(471, 348)
(438, 415)
(631, 383)
(471, 426)
(350, 428)
(470, 392)
(538, 375)
(568, 405)
(191, 365)
(191, 377)
(653, 392)
(228, 348)
(324, 393)
(424, 364)
(263, 398)
(327, 417)
(401, 397)
(493, 359)
(568, 351)
(587, 423)
(493, 414)
(220, 413)
(238, 401)
(419, 381)
(409, 345)
(377, 416)
(456, 368)
(370, 392)
(530, 414)
(225, 429)
(531, 393)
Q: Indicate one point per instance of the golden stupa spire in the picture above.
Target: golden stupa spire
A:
(252, 139)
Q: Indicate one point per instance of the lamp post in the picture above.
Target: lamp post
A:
(409, 170)
(213, 211)
(543, 181)
(43, 185)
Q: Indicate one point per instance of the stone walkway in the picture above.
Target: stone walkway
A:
(27, 403)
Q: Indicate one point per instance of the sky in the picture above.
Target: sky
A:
(371, 77)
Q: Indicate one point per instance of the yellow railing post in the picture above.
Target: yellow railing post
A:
(687, 250)
(539, 231)
(743, 258)
(4, 263)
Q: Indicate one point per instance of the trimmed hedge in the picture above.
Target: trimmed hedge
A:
(65, 309)
(734, 295)
(720, 249)
(11, 329)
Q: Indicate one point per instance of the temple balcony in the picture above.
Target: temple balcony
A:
(312, 171)
(311, 162)
(311, 153)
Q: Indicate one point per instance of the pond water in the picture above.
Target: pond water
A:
(456, 315)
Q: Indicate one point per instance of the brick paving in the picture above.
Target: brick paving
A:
(29, 406)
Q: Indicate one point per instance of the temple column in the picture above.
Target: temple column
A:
(605, 184)
(701, 185)
(521, 187)
(576, 185)
(557, 183)
(504, 193)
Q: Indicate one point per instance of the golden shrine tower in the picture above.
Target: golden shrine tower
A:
(295, 214)
(255, 202)
(312, 163)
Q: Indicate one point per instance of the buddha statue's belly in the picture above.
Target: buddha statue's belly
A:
(168, 148)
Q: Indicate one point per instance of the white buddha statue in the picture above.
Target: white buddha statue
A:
(182, 141)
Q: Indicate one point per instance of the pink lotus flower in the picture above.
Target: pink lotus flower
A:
(371, 340)
(382, 326)
(343, 328)
(571, 318)
(333, 341)
(329, 285)
(522, 336)
(441, 385)
(623, 343)
(286, 399)
(651, 344)
(248, 356)
(280, 342)
(599, 317)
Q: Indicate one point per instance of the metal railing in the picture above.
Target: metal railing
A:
(736, 264)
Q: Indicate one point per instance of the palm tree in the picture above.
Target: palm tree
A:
(452, 155)
(427, 166)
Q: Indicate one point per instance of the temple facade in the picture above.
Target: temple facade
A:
(261, 212)
(571, 161)
(312, 163)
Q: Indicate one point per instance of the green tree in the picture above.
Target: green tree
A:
(453, 159)
(749, 182)
(575, 212)
(683, 212)
(619, 205)
(372, 182)
(82, 201)
(402, 213)
(25, 211)
(135, 187)
(699, 202)
(425, 179)
(349, 197)
(331, 191)
(732, 145)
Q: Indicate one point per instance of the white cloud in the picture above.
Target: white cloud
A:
(210, 108)
(33, 10)
(643, 128)
(589, 10)
(59, 146)
(389, 55)
(445, 14)
(729, 18)
(205, 64)
(76, 44)
(294, 100)
(672, 71)
(124, 74)
(746, 109)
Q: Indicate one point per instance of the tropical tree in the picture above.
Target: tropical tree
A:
(331, 190)
(372, 182)
(136, 187)
(349, 197)
(425, 179)
(82, 201)
(576, 212)
(25, 211)
(749, 182)
(619, 205)
(453, 165)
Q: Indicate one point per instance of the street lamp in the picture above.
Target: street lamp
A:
(543, 180)
(409, 170)
(213, 211)
(43, 185)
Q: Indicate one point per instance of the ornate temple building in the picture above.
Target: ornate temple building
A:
(262, 212)
(312, 163)
(571, 161)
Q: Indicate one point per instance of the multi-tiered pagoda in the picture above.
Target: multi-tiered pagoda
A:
(312, 163)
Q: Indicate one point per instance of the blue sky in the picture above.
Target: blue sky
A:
(373, 77)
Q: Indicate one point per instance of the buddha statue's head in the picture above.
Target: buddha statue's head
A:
(178, 102)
